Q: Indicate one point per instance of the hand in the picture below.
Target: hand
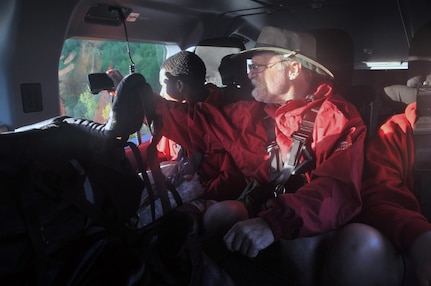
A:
(249, 237)
(421, 254)
(115, 75)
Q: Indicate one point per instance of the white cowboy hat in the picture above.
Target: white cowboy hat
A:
(302, 46)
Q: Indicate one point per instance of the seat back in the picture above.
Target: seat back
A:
(233, 72)
(335, 50)
(213, 50)
(420, 67)
(422, 139)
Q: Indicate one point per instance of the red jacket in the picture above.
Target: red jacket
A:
(330, 199)
(219, 174)
(332, 196)
(389, 202)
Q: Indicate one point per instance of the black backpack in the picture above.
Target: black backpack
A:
(65, 213)
(57, 209)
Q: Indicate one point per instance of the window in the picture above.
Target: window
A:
(82, 57)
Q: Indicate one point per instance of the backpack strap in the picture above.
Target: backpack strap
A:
(160, 180)
(142, 172)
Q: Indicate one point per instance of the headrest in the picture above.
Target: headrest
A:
(213, 50)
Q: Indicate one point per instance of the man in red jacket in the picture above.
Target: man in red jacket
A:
(182, 80)
(390, 199)
(390, 203)
(288, 83)
(182, 77)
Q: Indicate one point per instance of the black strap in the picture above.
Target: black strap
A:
(162, 184)
(142, 171)
(159, 178)
(422, 139)
(422, 167)
(302, 136)
(422, 189)
(174, 193)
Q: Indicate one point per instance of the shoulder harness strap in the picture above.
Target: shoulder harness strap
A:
(301, 147)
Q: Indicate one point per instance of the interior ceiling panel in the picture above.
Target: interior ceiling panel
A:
(373, 25)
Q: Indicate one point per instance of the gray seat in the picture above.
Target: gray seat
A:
(213, 50)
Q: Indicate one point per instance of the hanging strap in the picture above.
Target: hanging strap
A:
(422, 171)
(162, 184)
(142, 172)
(159, 178)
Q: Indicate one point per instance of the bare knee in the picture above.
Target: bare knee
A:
(221, 216)
(361, 255)
(359, 239)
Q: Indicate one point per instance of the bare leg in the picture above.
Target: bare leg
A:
(221, 216)
(302, 258)
(361, 255)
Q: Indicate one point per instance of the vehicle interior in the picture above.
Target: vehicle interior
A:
(33, 38)
(364, 43)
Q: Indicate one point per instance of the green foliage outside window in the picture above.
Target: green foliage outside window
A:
(82, 57)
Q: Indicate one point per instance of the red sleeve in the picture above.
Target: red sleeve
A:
(332, 196)
(389, 203)
(222, 179)
(238, 129)
(174, 122)
(232, 139)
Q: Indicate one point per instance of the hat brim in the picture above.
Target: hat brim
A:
(305, 61)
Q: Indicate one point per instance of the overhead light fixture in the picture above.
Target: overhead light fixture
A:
(105, 14)
(382, 66)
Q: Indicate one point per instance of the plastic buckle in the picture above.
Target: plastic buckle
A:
(278, 190)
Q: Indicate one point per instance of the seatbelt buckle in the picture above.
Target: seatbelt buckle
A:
(279, 190)
(272, 146)
(275, 160)
(300, 135)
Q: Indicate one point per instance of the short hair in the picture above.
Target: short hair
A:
(187, 66)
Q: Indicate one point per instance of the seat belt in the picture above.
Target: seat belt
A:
(301, 147)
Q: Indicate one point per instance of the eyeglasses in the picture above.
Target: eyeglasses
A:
(261, 68)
